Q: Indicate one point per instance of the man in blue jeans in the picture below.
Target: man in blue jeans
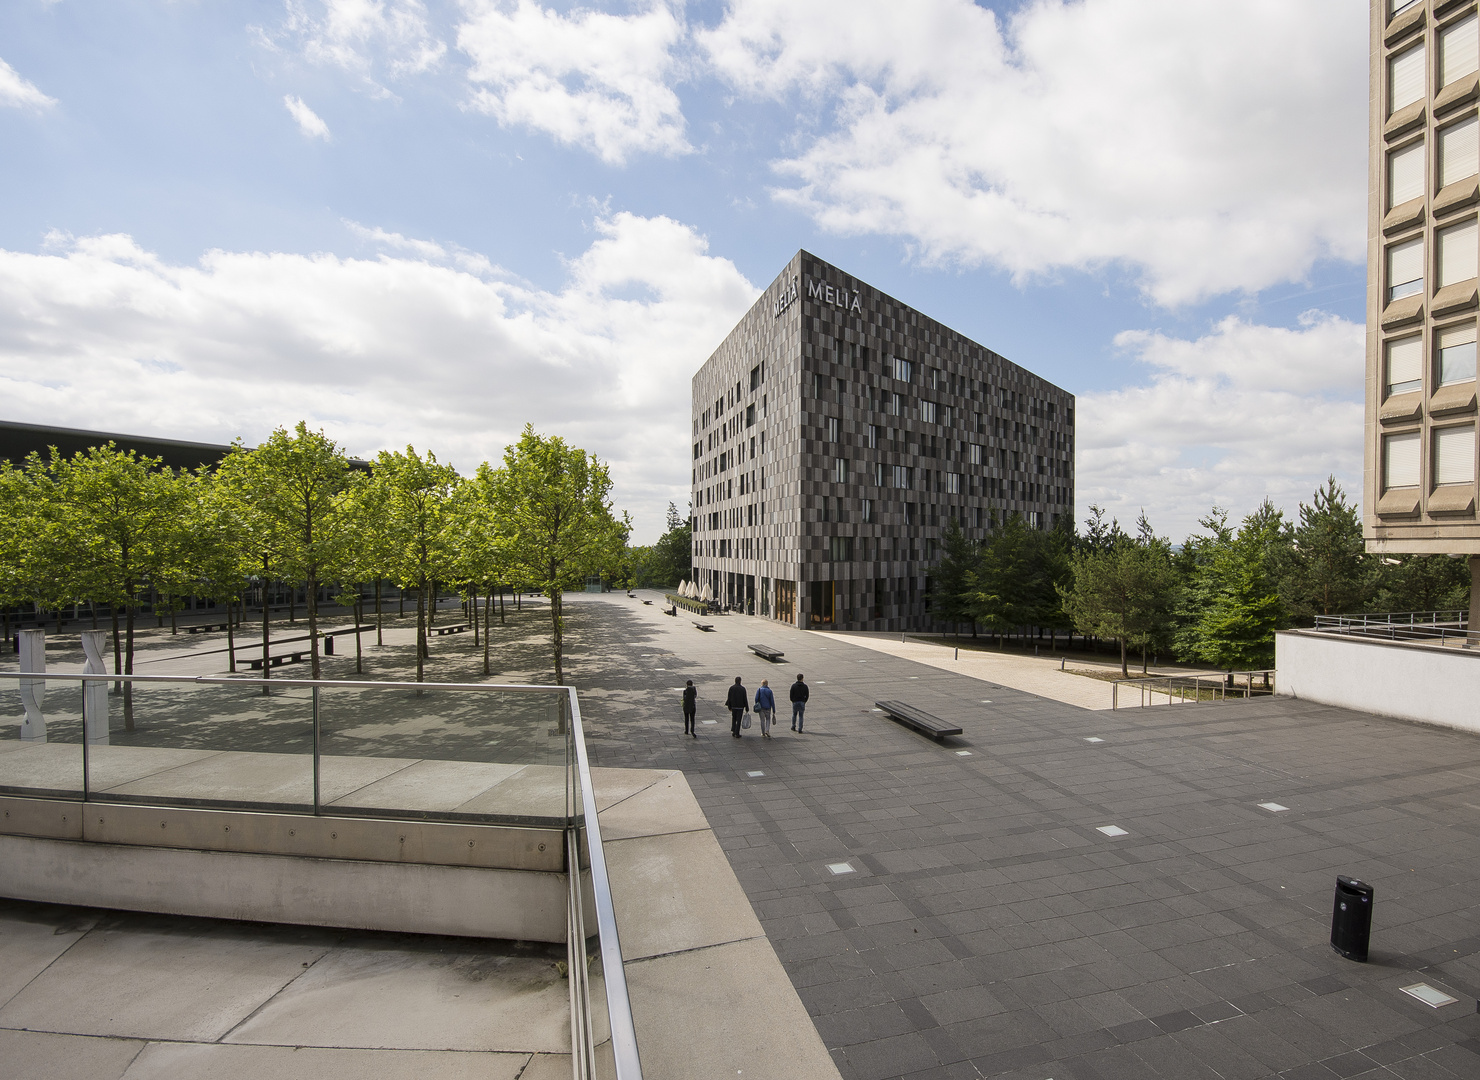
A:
(799, 694)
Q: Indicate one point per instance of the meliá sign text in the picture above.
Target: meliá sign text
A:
(785, 296)
(841, 298)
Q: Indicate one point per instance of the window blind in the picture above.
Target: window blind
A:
(1405, 78)
(1404, 365)
(1457, 355)
(1454, 455)
(1459, 50)
(1400, 460)
(1459, 152)
(1405, 268)
(1459, 254)
(1405, 175)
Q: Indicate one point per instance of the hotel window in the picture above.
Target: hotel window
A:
(1459, 151)
(755, 377)
(1456, 355)
(895, 405)
(841, 548)
(901, 476)
(840, 471)
(832, 429)
(976, 454)
(928, 412)
(1459, 253)
(1405, 174)
(1454, 455)
(873, 437)
(1405, 366)
(1459, 51)
(866, 512)
(1405, 78)
(878, 474)
(1405, 269)
(1400, 461)
(901, 369)
(953, 483)
(1396, 6)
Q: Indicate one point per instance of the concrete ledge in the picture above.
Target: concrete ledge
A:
(411, 898)
(1427, 683)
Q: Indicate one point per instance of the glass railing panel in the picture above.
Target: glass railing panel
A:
(40, 737)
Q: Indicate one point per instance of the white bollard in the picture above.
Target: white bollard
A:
(95, 692)
(33, 691)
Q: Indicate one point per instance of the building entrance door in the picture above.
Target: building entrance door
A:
(822, 603)
(786, 600)
(750, 594)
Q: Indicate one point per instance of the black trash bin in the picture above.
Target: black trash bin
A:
(1351, 918)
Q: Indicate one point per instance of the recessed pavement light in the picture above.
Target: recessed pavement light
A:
(755, 772)
(840, 867)
(1273, 807)
(1428, 995)
(1094, 738)
(914, 676)
(963, 753)
(1112, 830)
(708, 721)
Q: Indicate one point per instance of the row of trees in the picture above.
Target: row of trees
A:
(1217, 599)
(108, 527)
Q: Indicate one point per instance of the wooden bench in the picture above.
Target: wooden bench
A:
(205, 628)
(765, 652)
(278, 661)
(918, 719)
(707, 627)
(458, 629)
(649, 603)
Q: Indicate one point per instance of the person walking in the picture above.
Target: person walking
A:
(799, 695)
(765, 707)
(690, 707)
(739, 704)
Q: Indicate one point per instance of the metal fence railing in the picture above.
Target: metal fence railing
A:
(1181, 689)
(397, 750)
(1445, 628)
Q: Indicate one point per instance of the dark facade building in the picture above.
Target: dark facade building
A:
(837, 432)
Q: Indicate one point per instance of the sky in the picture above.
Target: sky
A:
(430, 223)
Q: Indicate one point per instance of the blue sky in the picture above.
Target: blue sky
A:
(431, 222)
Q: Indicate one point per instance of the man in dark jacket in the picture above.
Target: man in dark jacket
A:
(799, 693)
(690, 706)
(739, 704)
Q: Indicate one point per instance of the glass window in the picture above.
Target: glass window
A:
(927, 411)
(1404, 365)
(840, 470)
(1459, 151)
(1454, 455)
(1457, 355)
(1395, 6)
(1405, 269)
(1405, 175)
(1459, 253)
(1405, 78)
(832, 429)
(1400, 460)
(1459, 51)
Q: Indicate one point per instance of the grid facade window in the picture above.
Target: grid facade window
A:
(1404, 365)
(1459, 253)
(1406, 78)
(1405, 269)
(1454, 455)
(1400, 460)
(1459, 151)
(1459, 51)
(1405, 175)
(1457, 355)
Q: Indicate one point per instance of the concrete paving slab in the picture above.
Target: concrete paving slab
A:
(30, 943)
(615, 785)
(430, 785)
(425, 994)
(667, 806)
(676, 892)
(48, 766)
(733, 1000)
(537, 790)
(225, 1061)
(164, 978)
(273, 779)
(35, 1055)
(548, 1067)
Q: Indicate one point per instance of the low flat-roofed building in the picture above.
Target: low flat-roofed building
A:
(837, 432)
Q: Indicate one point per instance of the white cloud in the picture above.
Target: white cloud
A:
(380, 352)
(1210, 147)
(363, 36)
(17, 92)
(590, 79)
(1228, 418)
(309, 121)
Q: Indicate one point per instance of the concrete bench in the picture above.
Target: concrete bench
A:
(765, 652)
(707, 627)
(205, 628)
(918, 719)
(458, 629)
(278, 661)
(649, 603)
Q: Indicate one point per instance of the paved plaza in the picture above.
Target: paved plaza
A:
(983, 924)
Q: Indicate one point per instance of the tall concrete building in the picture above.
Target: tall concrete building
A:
(1423, 260)
(837, 432)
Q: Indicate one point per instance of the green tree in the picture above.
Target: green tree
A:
(1242, 609)
(1419, 583)
(950, 597)
(1122, 591)
(553, 507)
(419, 503)
(1004, 590)
(1327, 570)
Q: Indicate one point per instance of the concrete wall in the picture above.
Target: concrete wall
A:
(1413, 682)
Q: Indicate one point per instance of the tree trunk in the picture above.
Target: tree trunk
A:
(487, 615)
(174, 624)
(117, 649)
(403, 602)
(1124, 671)
(311, 598)
(379, 630)
(128, 668)
(359, 613)
(557, 637)
(421, 630)
(1143, 658)
(502, 610)
(266, 643)
(230, 638)
(292, 603)
(432, 607)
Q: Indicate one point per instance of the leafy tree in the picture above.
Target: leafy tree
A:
(1242, 609)
(1419, 583)
(553, 507)
(1122, 591)
(419, 505)
(1004, 590)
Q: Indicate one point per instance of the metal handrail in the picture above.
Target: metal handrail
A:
(1149, 687)
(618, 1000)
